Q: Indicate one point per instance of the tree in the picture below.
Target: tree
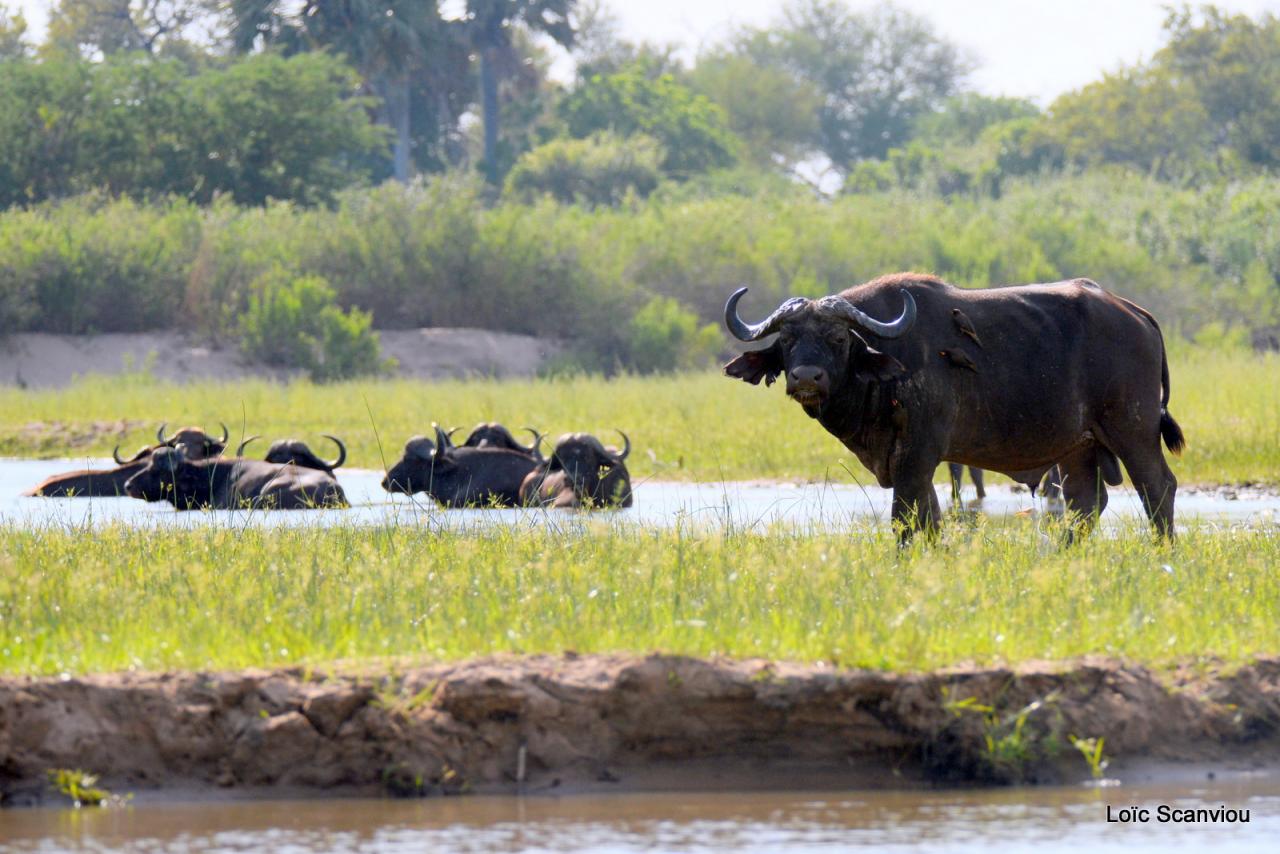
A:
(107, 27)
(1136, 117)
(390, 42)
(598, 46)
(876, 72)
(283, 128)
(600, 170)
(13, 35)
(489, 24)
(1232, 64)
(773, 112)
(962, 119)
(264, 127)
(692, 130)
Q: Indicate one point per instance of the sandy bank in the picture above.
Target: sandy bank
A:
(656, 721)
(38, 360)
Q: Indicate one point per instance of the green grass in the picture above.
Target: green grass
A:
(697, 426)
(220, 597)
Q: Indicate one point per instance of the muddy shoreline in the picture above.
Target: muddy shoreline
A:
(538, 723)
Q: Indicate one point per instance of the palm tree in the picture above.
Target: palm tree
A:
(489, 25)
(386, 40)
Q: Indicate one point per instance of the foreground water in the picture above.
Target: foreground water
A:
(657, 503)
(1046, 819)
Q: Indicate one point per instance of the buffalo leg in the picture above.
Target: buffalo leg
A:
(915, 502)
(1155, 484)
(1084, 490)
(957, 475)
(976, 474)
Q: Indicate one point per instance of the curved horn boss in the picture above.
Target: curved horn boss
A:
(744, 331)
(838, 306)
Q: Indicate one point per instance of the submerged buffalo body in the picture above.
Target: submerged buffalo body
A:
(283, 451)
(194, 443)
(460, 477)
(1013, 380)
(232, 484)
(491, 434)
(582, 472)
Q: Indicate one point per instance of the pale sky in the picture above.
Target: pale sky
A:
(1032, 48)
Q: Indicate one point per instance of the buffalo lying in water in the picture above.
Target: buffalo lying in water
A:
(232, 484)
(491, 434)
(460, 477)
(283, 451)
(962, 375)
(193, 441)
(572, 476)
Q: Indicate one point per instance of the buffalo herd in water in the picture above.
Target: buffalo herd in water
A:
(490, 469)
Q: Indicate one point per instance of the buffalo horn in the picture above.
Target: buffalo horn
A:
(342, 451)
(244, 444)
(160, 434)
(536, 448)
(744, 331)
(442, 440)
(842, 308)
(115, 455)
(226, 434)
(626, 446)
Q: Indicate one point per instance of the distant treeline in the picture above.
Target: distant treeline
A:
(219, 167)
(640, 285)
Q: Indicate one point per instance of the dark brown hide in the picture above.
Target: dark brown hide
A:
(902, 410)
(193, 441)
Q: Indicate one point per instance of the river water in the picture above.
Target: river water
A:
(1049, 819)
(657, 503)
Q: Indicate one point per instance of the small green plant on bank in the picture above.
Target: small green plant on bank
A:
(1091, 750)
(80, 786)
(1011, 747)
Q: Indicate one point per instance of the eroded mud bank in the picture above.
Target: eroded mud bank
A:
(608, 720)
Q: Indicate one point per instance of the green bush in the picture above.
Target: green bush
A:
(600, 170)
(665, 336)
(295, 323)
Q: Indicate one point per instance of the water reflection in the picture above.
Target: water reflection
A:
(1046, 819)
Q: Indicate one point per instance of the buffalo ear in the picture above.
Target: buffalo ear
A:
(755, 365)
(870, 365)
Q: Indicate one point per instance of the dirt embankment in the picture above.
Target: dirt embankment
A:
(38, 360)
(602, 720)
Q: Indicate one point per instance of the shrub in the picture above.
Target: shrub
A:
(295, 323)
(599, 170)
(664, 336)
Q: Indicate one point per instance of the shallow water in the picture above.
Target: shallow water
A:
(1046, 819)
(657, 503)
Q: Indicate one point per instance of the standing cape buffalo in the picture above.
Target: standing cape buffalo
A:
(572, 477)
(459, 477)
(1066, 373)
(193, 441)
(299, 453)
(232, 484)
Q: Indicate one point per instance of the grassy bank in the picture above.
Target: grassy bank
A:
(76, 601)
(694, 426)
